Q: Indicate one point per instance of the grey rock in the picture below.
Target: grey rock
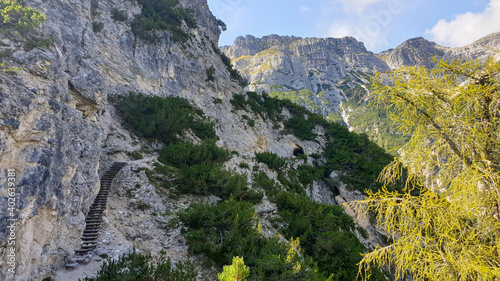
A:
(72, 265)
(101, 253)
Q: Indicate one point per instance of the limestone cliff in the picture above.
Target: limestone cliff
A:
(290, 64)
(57, 127)
(330, 76)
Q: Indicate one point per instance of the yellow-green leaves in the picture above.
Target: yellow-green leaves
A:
(238, 271)
(15, 15)
(451, 230)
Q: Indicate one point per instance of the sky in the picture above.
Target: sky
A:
(379, 24)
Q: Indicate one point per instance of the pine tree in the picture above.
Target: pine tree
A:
(238, 271)
(451, 230)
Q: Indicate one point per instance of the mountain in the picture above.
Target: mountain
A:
(70, 107)
(286, 65)
(330, 76)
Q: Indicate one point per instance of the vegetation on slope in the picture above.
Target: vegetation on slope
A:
(231, 227)
(162, 15)
(358, 159)
(135, 266)
(17, 19)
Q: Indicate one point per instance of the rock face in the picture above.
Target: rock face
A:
(59, 132)
(325, 67)
(292, 64)
(416, 51)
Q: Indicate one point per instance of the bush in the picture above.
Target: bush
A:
(162, 15)
(39, 43)
(14, 15)
(97, 26)
(135, 266)
(119, 15)
(229, 229)
(325, 232)
(210, 74)
(307, 174)
(272, 160)
(164, 119)
(200, 171)
(184, 154)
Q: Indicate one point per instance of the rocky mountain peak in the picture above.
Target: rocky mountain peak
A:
(415, 51)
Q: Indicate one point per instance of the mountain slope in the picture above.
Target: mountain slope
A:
(330, 76)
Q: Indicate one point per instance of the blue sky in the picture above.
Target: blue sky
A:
(380, 24)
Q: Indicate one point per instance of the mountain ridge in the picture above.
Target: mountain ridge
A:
(330, 76)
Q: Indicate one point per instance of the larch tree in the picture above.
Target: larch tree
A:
(451, 230)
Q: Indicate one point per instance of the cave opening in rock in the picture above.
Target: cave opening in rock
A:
(298, 151)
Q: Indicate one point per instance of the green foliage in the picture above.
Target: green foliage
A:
(185, 154)
(136, 155)
(376, 122)
(235, 75)
(135, 266)
(144, 206)
(261, 180)
(14, 15)
(97, 26)
(39, 43)
(162, 15)
(165, 119)
(228, 229)
(5, 68)
(237, 271)
(325, 232)
(210, 74)
(119, 15)
(307, 174)
(358, 160)
(244, 166)
(272, 160)
(200, 171)
(450, 230)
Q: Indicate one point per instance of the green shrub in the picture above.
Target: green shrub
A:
(136, 155)
(307, 174)
(363, 232)
(164, 119)
(263, 181)
(144, 206)
(39, 43)
(119, 15)
(135, 266)
(210, 74)
(325, 233)
(272, 160)
(244, 166)
(229, 229)
(14, 15)
(97, 26)
(187, 154)
(162, 15)
(200, 171)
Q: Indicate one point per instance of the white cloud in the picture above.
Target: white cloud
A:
(358, 6)
(305, 9)
(466, 28)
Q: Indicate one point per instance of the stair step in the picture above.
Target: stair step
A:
(94, 216)
(82, 251)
